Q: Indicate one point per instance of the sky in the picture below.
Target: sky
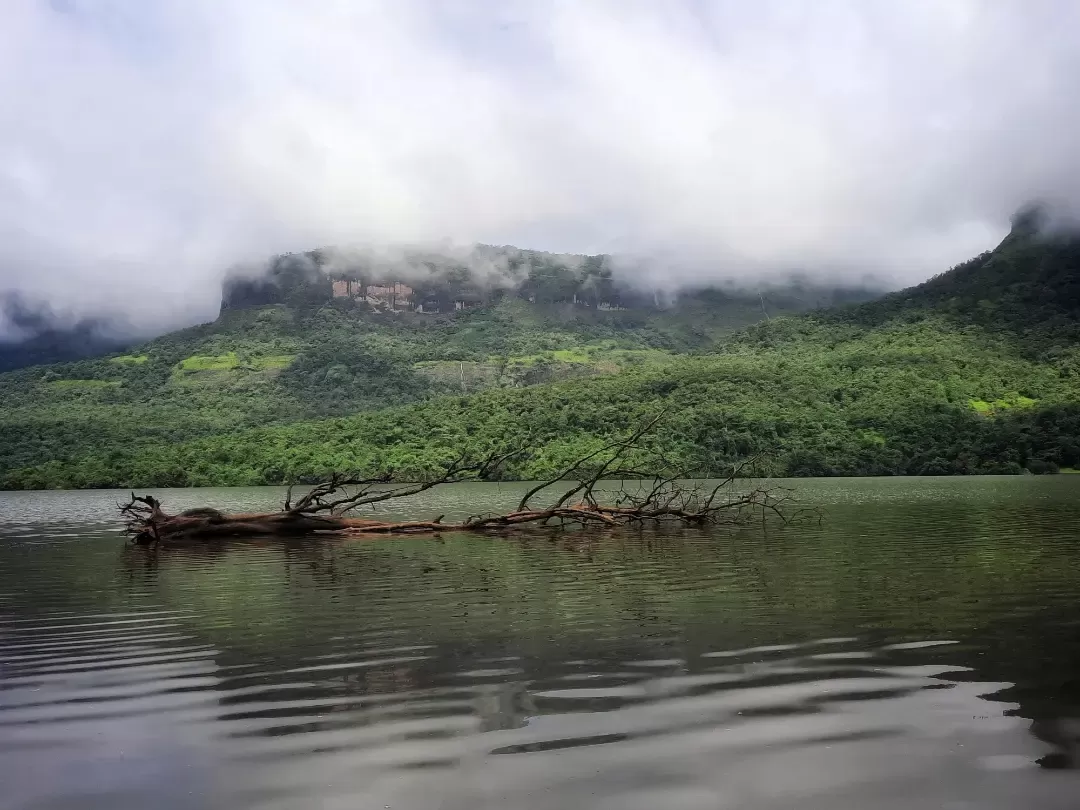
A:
(148, 145)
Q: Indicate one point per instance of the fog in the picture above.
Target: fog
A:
(146, 147)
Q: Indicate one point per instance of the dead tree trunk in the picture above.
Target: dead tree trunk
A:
(326, 508)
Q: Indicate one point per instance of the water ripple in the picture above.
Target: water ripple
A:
(919, 653)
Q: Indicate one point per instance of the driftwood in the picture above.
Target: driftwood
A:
(326, 507)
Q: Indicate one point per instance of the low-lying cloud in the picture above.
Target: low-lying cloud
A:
(146, 147)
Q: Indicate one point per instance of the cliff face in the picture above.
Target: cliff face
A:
(426, 282)
(290, 279)
(431, 283)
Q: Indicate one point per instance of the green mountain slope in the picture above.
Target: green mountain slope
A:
(1028, 288)
(310, 355)
(907, 398)
(975, 371)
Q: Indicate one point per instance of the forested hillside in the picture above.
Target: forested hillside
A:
(975, 371)
(307, 354)
(1027, 289)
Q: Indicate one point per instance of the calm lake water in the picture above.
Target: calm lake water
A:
(919, 649)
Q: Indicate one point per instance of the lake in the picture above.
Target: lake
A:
(920, 648)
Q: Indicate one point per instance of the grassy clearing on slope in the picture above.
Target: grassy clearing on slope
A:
(129, 359)
(206, 362)
(515, 371)
(232, 361)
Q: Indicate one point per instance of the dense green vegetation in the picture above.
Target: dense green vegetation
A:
(975, 371)
(903, 399)
(281, 363)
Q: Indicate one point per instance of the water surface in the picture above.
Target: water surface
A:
(920, 648)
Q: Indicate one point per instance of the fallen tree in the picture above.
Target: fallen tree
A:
(583, 501)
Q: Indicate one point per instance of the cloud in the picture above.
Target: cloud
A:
(145, 147)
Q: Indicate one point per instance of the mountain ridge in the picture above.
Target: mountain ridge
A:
(317, 355)
(945, 377)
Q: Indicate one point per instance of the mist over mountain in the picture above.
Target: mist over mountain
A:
(435, 279)
(430, 279)
(33, 334)
(145, 148)
(329, 362)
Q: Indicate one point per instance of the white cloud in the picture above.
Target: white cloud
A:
(146, 146)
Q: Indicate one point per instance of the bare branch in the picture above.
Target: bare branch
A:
(619, 445)
(657, 498)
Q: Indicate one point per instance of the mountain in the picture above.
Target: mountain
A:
(286, 348)
(975, 371)
(1028, 288)
(439, 283)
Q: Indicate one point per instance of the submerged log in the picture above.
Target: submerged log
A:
(326, 507)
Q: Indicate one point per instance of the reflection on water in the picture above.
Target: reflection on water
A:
(919, 649)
